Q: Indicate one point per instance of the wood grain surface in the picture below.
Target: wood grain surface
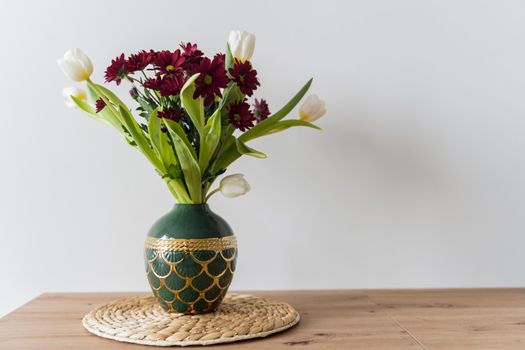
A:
(345, 319)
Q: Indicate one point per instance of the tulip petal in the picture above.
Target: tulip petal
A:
(234, 185)
(68, 69)
(242, 44)
(76, 65)
(84, 60)
(249, 46)
(70, 92)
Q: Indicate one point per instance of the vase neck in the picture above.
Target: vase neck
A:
(191, 207)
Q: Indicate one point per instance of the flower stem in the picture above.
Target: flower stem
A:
(211, 194)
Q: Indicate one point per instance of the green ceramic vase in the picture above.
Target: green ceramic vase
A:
(190, 256)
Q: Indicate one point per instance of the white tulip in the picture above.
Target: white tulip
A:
(76, 65)
(312, 109)
(234, 185)
(242, 45)
(76, 92)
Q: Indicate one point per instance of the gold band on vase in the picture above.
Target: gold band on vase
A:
(191, 245)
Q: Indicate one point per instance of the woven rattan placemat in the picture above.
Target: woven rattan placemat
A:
(141, 320)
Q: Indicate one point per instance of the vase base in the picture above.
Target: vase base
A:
(141, 320)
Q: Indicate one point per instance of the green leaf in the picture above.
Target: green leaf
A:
(138, 136)
(174, 171)
(212, 135)
(230, 153)
(226, 95)
(110, 95)
(107, 115)
(102, 116)
(155, 133)
(231, 94)
(114, 99)
(145, 106)
(229, 58)
(167, 152)
(285, 124)
(194, 107)
(188, 164)
(243, 149)
(164, 149)
(227, 154)
(176, 128)
(261, 128)
(178, 189)
(83, 105)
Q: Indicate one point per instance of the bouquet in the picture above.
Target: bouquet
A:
(195, 114)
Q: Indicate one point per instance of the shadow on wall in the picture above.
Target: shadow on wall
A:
(380, 177)
(391, 160)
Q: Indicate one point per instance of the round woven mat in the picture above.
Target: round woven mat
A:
(141, 320)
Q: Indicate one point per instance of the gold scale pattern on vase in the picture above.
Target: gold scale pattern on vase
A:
(190, 275)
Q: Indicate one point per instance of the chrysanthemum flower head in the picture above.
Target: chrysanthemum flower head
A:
(212, 78)
(260, 109)
(174, 114)
(139, 61)
(167, 62)
(244, 76)
(171, 85)
(240, 116)
(153, 83)
(192, 56)
(100, 105)
(117, 70)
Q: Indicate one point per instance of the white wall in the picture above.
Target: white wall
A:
(416, 180)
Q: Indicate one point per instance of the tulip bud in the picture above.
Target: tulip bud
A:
(134, 93)
(234, 185)
(73, 91)
(242, 45)
(76, 65)
(312, 109)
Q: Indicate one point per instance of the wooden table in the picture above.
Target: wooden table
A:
(350, 319)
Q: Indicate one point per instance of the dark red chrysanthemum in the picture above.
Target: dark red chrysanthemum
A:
(220, 57)
(139, 61)
(260, 109)
(171, 85)
(244, 76)
(167, 62)
(117, 70)
(174, 114)
(240, 116)
(212, 78)
(153, 83)
(99, 105)
(192, 56)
